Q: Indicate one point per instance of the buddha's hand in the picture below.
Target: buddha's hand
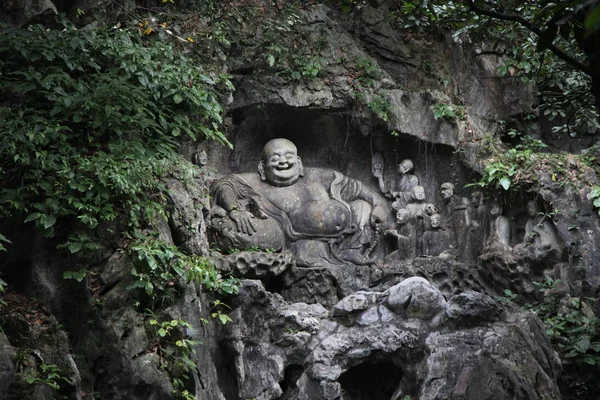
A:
(243, 221)
(379, 216)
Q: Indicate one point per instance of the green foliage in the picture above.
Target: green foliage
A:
(368, 71)
(3, 285)
(3, 240)
(91, 121)
(377, 102)
(549, 44)
(163, 329)
(518, 165)
(594, 195)
(381, 106)
(449, 111)
(47, 374)
(216, 312)
(508, 297)
(285, 55)
(210, 278)
(159, 267)
(79, 276)
(269, 33)
(177, 351)
(574, 331)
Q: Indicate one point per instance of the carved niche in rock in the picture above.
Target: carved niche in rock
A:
(541, 242)
(320, 215)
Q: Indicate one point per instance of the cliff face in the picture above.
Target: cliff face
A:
(351, 91)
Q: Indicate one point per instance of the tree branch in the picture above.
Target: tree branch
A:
(522, 21)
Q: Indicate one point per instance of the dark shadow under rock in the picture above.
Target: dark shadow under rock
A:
(371, 381)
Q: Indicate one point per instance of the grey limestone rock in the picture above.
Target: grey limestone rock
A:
(256, 264)
(7, 368)
(472, 308)
(354, 303)
(471, 342)
(416, 298)
(503, 361)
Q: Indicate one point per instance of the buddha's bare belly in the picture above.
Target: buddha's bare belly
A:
(324, 217)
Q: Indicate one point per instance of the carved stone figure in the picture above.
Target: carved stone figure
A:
(541, 241)
(500, 228)
(406, 181)
(377, 166)
(400, 187)
(457, 218)
(418, 208)
(322, 214)
(481, 215)
(437, 241)
(479, 224)
(418, 211)
(200, 158)
(406, 236)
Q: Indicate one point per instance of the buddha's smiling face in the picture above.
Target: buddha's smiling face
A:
(280, 164)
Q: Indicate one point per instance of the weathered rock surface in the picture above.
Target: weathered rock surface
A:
(471, 349)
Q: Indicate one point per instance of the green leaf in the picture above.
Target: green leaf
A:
(4, 239)
(583, 344)
(49, 220)
(224, 318)
(75, 247)
(594, 193)
(149, 287)
(79, 276)
(161, 332)
(505, 182)
(32, 217)
(177, 98)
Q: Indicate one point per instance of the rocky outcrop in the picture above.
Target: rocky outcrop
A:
(408, 337)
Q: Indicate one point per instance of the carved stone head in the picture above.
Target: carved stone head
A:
(435, 220)
(447, 190)
(496, 209)
(431, 209)
(532, 208)
(200, 158)
(402, 217)
(280, 164)
(418, 193)
(476, 199)
(405, 166)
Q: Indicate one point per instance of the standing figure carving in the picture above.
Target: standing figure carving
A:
(318, 214)
(479, 218)
(418, 212)
(457, 218)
